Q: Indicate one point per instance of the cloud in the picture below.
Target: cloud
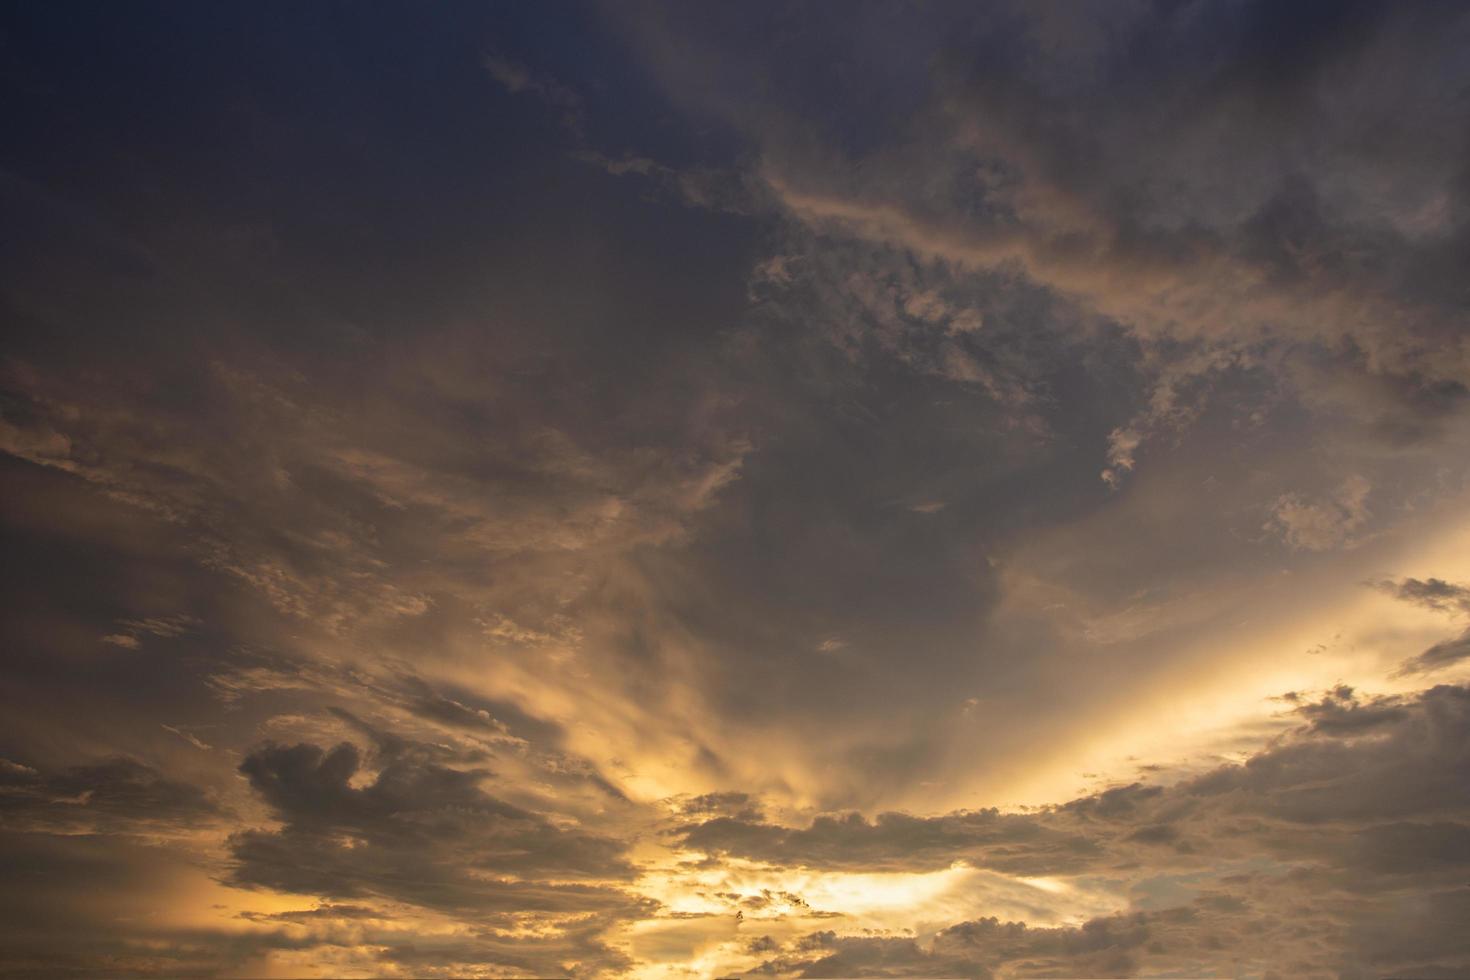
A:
(417, 833)
(138, 911)
(1013, 843)
(517, 78)
(119, 795)
(1341, 712)
(1324, 524)
(979, 948)
(426, 837)
(1122, 446)
(1349, 818)
(1432, 593)
(628, 500)
(1282, 254)
(1443, 654)
(189, 737)
(1354, 761)
(166, 627)
(1440, 596)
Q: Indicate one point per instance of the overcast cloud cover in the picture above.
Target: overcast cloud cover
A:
(782, 490)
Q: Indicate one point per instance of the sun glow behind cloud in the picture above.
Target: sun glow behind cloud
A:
(1301, 633)
(713, 911)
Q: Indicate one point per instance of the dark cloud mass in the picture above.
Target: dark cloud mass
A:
(1352, 836)
(116, 795)
(418, 832)
(691, 489)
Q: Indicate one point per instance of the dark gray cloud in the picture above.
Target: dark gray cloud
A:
(114, 796)
(121, 921)
(418, 833)
(1340, 712)
(978, 949)
(1432, 593)
(427, 837)
(1355, 762)
(1087, 154)
(1360, 817)
(1443, 654)
(1441, 596)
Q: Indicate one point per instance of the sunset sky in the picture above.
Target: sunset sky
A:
(689, 490)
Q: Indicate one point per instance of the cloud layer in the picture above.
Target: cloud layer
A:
(692, 490)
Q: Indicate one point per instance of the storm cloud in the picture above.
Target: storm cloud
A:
(630, 490)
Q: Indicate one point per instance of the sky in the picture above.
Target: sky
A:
(686, 490)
